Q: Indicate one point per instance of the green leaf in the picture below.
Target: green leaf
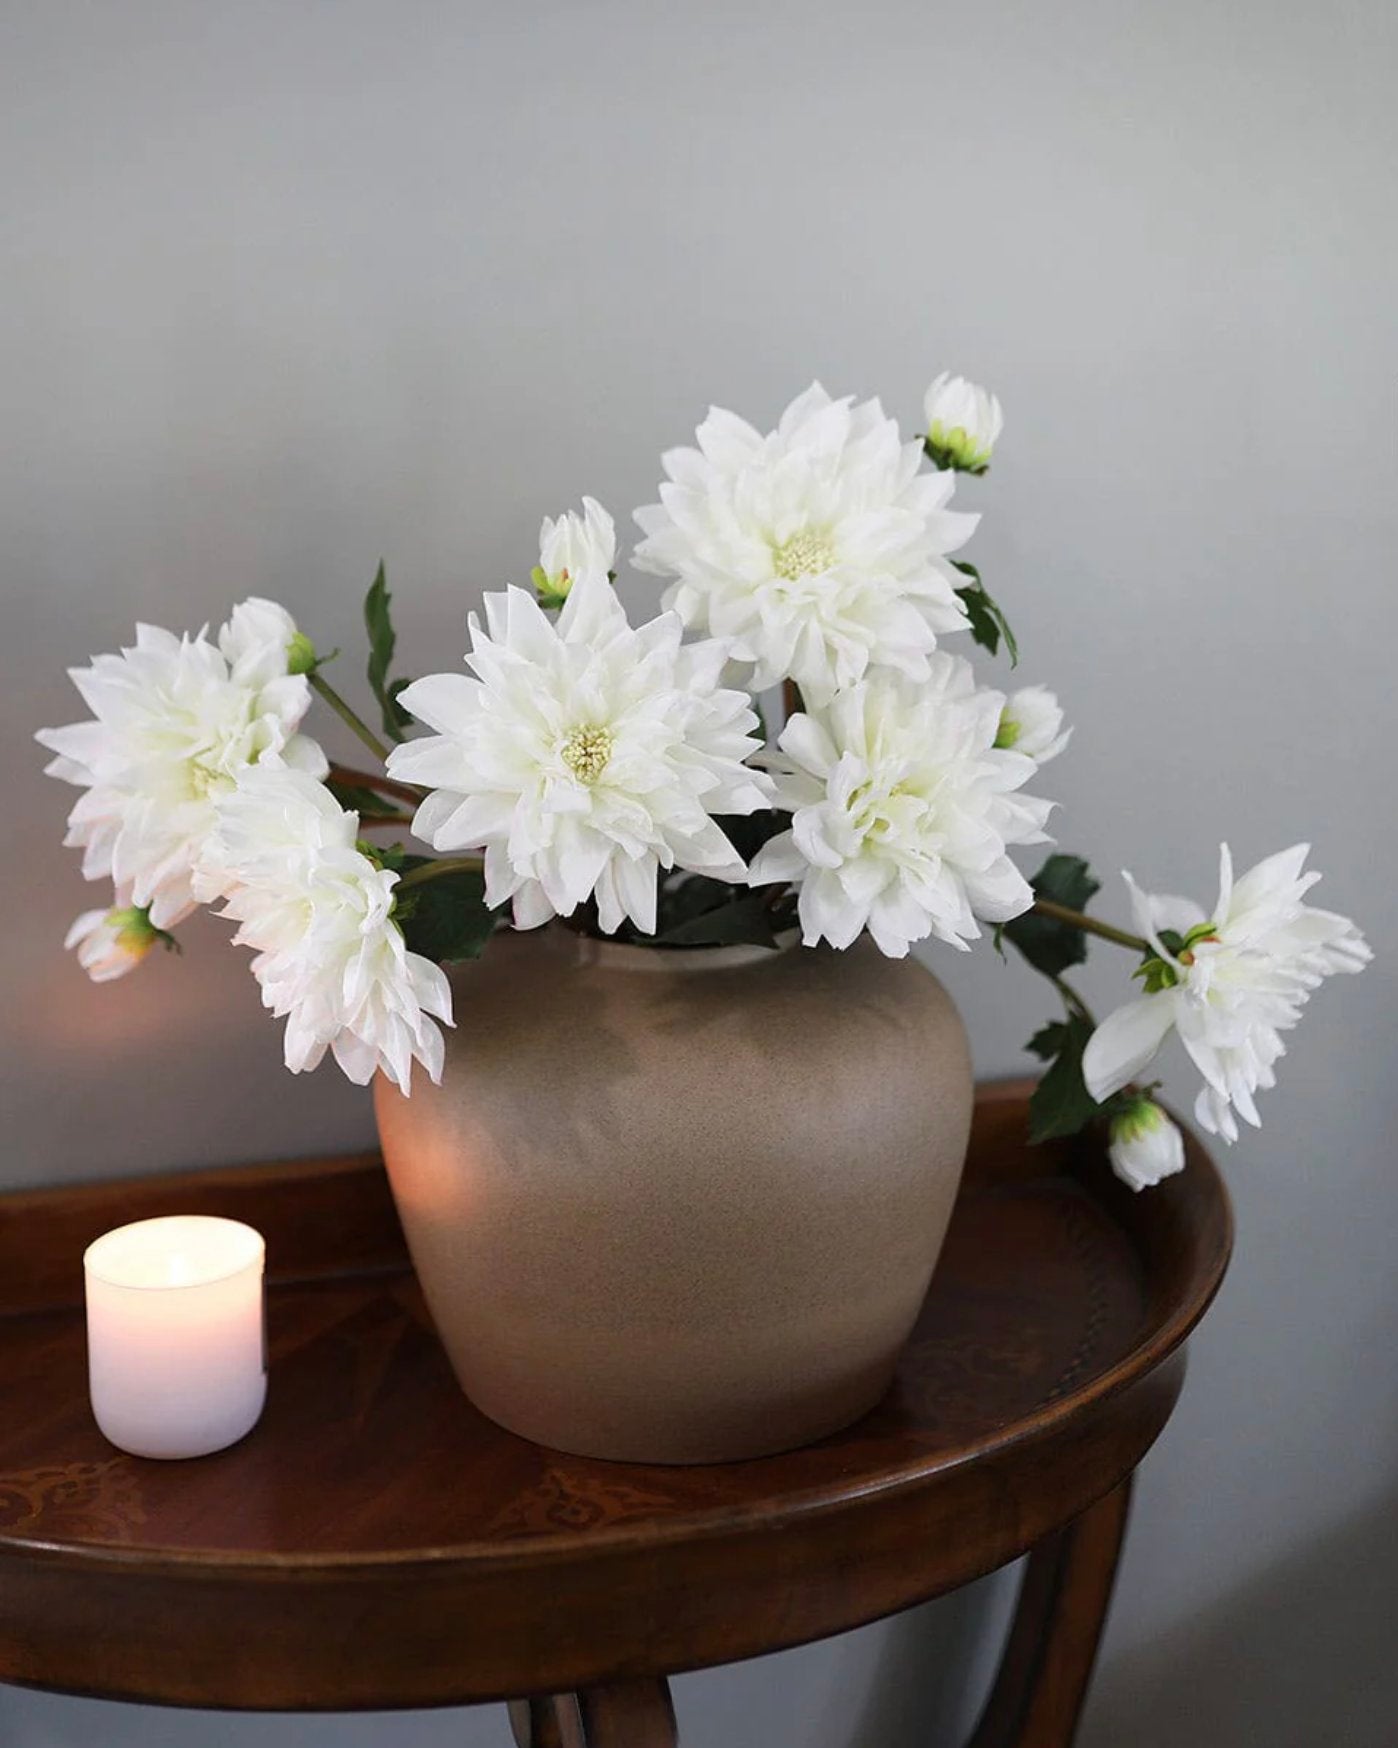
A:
(378, 622)
(1061, 1103)
(1049, 945)
(745, 920)
(1048, 1041)
(446, 919)
(988, 621)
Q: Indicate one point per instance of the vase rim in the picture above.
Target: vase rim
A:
(588, 950)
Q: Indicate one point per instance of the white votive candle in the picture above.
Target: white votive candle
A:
(175, 1345)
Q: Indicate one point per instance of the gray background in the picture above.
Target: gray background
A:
(289, 287)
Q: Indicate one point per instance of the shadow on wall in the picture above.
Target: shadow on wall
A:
(1299, 1658)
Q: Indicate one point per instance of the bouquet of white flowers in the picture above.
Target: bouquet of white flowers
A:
(623, 779)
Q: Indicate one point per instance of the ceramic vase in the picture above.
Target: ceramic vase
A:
(680, 1206)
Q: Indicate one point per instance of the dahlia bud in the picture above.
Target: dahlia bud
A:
(963, 423)
(1145, 1146)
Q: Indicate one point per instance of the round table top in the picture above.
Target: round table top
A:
(376, 1542)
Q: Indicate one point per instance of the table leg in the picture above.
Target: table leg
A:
(622, 1714)
(1042, 1679)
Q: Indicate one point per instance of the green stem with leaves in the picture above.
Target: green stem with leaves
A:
(354, 723)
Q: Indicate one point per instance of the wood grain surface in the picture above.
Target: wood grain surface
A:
(376, 1542)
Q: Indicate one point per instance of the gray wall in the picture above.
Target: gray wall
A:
(288, 287)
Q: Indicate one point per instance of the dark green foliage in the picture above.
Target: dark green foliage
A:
(988, 621)
(358, 799)
(1061, 1104)
(1049, 945)
(696, 911)
(746, 918)
(444, 919)
(378, 622)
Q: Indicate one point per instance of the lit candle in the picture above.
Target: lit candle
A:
(175, 1344)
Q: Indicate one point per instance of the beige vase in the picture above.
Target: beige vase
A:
(680, 1206)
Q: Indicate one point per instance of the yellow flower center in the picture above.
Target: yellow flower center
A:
(204, 779)
(805, 554)
(585, 752)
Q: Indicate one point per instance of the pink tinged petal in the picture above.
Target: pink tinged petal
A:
(83, 927)
(1124, 1043)
(168, 909)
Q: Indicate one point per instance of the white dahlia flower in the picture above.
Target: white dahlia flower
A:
(819, 552)
(571, 547)
(1032, 723)
(964, 423)
(174, 722)
(903, 809)
(1230, 985)
(112, 942)
(1144, 1145)
(583, 757)
(318, 913)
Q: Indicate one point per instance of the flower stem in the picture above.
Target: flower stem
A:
(1089, 925)
(435, 870)
(346, 715)
(368, 819)
(1073, 1001)
(353, 779)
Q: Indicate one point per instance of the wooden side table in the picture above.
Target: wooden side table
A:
(377, 1543)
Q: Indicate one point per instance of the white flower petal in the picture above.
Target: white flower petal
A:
(317, 913)
(583, 756)
(176, 720)
(818, 550)
(903, 810)
(1242, 984)
(1125, 1043)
